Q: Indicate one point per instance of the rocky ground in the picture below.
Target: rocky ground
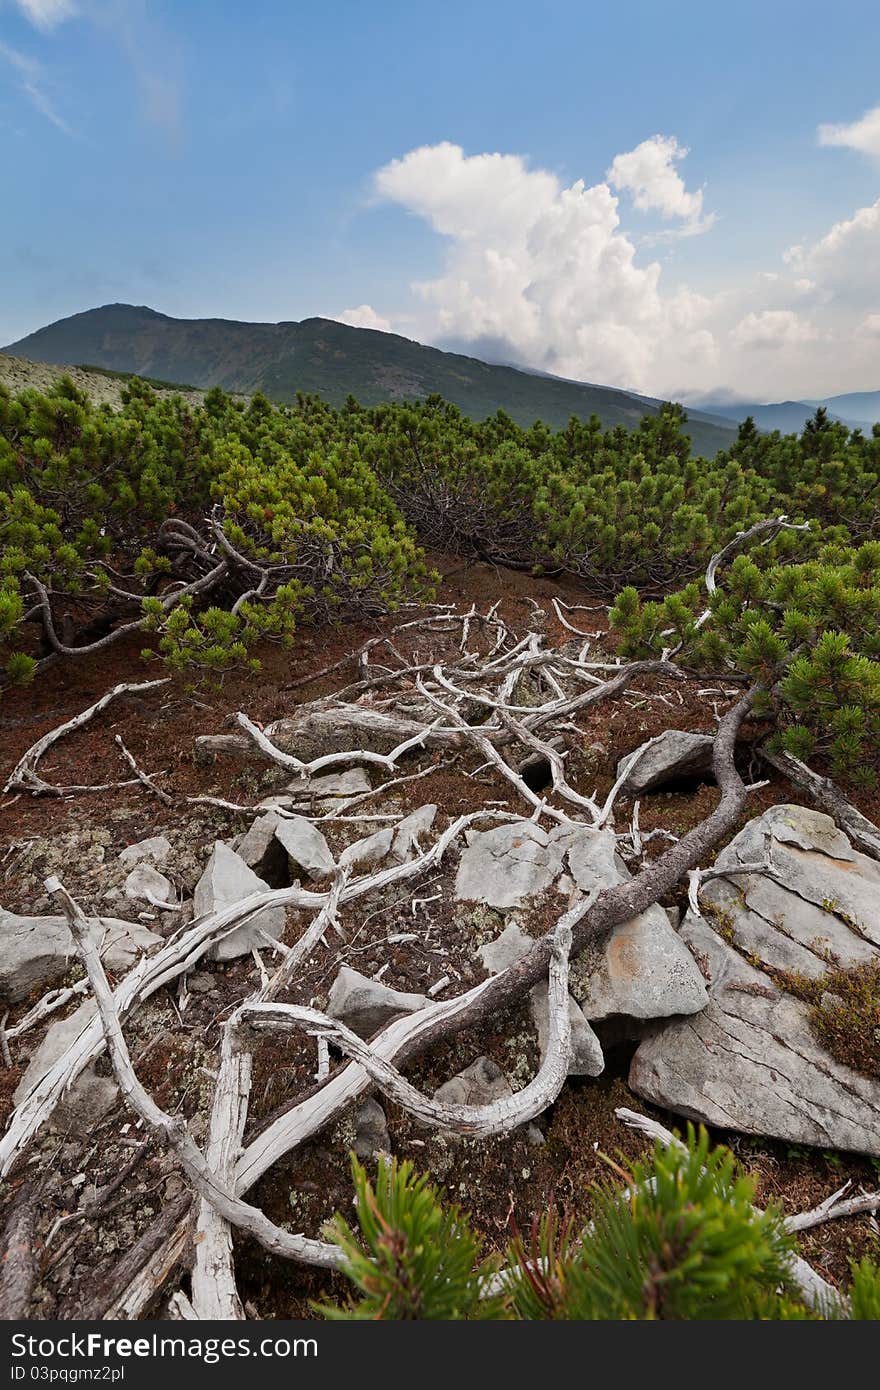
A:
(741, 1014)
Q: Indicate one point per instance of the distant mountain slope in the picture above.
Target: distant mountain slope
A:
(858, 410)
(331, 360)
(860, 407)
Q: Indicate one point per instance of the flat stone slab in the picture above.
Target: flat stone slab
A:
(331, 792)
(503, 866)
(39, 950)
(751, 1061)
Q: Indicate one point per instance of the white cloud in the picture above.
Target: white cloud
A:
(46, 14)
(863, 134)
(648, 172)
(772, 328)
(845, 263)
(547, 275)
(33, 82)
(364, 316)
(542, 268)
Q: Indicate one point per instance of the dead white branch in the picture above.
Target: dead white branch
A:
(24, 775)
(180, 954)
(142, 776)
(171, 1128)
(478, 1121)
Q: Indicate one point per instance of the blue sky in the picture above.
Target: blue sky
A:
(680, 198)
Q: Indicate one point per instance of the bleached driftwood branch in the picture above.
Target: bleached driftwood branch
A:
(171, 1127)
(24, 775)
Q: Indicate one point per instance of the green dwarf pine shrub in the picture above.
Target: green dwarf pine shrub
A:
(681, 1241)
(809, 633)
(117, 512)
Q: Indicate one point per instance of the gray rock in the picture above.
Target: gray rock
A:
(263, 852)
(751, 1062)
(37, 950)
(675, 754)
(364, 1004)
(504, 866)
(642, 969)
(226, 880)
(332, 792)
(479, 1084)
(90, 1097)
(367, 853)
(371, 1130)
(156, 849)
(828, 898)
(409, 830)
(587, 1059)
(506, 949)
(398, 841)
(144, 882)
(306, 847)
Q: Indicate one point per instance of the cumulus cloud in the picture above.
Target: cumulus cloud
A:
(364, 316)
(772, 328)
(548, 275)
(544, 269)
(648, 173)
(845, 263)
(863, 134)
(46, 14)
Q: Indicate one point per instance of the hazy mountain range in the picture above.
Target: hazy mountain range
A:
(857, 409)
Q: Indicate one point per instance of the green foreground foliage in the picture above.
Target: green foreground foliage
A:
(681, 1241)
(216, 526)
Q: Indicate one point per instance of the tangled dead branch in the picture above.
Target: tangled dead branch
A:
(513, 699)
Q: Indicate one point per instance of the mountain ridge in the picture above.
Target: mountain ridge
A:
(333, 360)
